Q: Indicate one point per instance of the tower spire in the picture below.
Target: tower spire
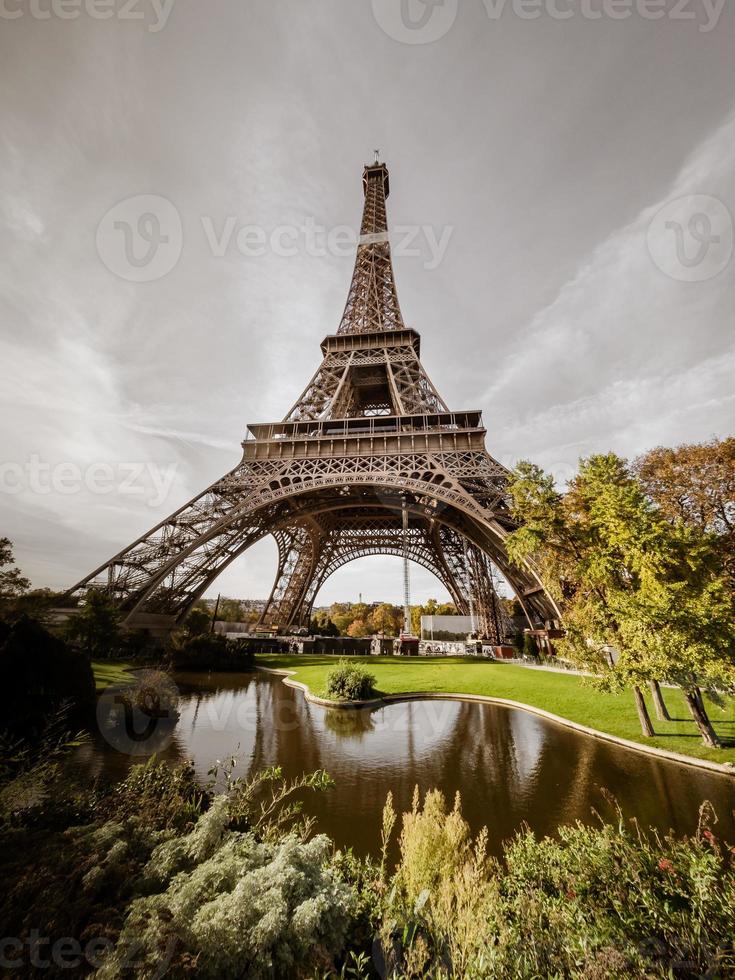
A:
(372, 302)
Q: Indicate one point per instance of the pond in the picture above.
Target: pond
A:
(510, 767)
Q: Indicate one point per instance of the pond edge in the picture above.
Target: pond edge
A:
(724, 769)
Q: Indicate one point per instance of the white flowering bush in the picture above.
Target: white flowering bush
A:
(235, 906)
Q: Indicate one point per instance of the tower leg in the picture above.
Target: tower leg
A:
(298, 552)
(485, 598)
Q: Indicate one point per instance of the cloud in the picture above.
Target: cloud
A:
(625, 357)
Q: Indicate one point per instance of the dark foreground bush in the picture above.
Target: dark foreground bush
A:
(349, 682)
(211, 651)
(40, 672)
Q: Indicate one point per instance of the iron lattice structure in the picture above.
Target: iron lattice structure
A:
(369, 460)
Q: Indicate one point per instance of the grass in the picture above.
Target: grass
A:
(108, 672)
(567, 695)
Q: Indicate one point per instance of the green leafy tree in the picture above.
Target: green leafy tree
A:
(198, 622)
(95, 627)
(430, 608)
(527, 645)
(41, 675)
(322, 625)
(681, 623)
(643, 599)
(36, 604)
(230, 611)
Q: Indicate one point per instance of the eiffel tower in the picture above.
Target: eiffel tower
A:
(369, 460)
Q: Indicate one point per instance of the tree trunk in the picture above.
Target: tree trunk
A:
(643, 716)
(700, 700)
(699, 714)
(662, 712)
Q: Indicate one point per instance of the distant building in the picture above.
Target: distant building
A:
(253, 605)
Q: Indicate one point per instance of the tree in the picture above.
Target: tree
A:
(386, 619)
(95, 627)
(695, 485)
(446, 609)
(230, 610)
(528, 645)
(358, 627)
(662, 712)
(322, 625)
(198, 622)
(431, 608)
(683, 623)
(561, 534)
(643, 600)
(12, 582)
(35, 604)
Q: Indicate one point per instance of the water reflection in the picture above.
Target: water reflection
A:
(349, 724)
(511, 767)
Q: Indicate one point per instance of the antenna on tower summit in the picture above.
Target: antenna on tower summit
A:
(377, 155)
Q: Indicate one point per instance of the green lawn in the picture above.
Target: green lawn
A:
(566, 695)
(108, 672)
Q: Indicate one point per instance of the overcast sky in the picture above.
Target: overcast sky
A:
(578, 173)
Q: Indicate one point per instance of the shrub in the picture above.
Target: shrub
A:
(530, 648)
(594, 902)
(40, 673)
(443, 894)
(210, 651)
(198, 622)
(151, 698)
(236, 906)
(170, 796)
(31, 790)
(265, 803)
(349, 682)
(72, 883)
